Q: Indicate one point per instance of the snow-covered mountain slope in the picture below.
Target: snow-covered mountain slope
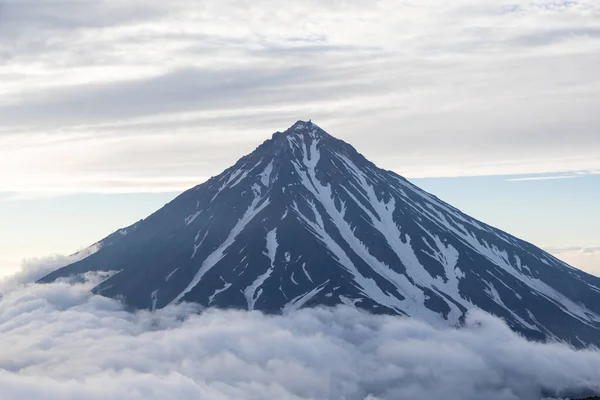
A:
(306, 220)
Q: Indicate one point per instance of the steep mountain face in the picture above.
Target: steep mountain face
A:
(306, 220)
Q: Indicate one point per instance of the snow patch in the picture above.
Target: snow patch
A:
(192, 217)
(265, 176)
(306, 272)
(254, 209)
(301, 300)
(253, 292)
(170, 275)
(226, 286)
(154, 299)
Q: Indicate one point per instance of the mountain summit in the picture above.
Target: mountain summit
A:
(306, 220)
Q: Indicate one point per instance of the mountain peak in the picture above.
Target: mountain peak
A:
(306, 126)
(301, 127)
(297, 142)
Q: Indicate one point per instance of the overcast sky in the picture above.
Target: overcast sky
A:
(128, 96)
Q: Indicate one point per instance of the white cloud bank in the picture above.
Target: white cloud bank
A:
(33, 269)
(149, 95)
(58, 341)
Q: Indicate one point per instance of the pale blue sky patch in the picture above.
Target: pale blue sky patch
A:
(561, 216)
(42, 226)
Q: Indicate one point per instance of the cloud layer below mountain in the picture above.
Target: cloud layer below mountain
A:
(60, 342)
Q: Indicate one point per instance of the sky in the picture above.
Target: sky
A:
(109, 109)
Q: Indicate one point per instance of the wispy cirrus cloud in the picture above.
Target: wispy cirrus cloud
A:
(549, 177)
(543, 178)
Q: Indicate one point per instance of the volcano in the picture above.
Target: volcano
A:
(305, 220)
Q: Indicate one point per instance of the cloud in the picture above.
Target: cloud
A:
(574, 249)
(543, 178)
(35, 268)
(564, 175)
(586, 258)
(59, 341)
(90, 95)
